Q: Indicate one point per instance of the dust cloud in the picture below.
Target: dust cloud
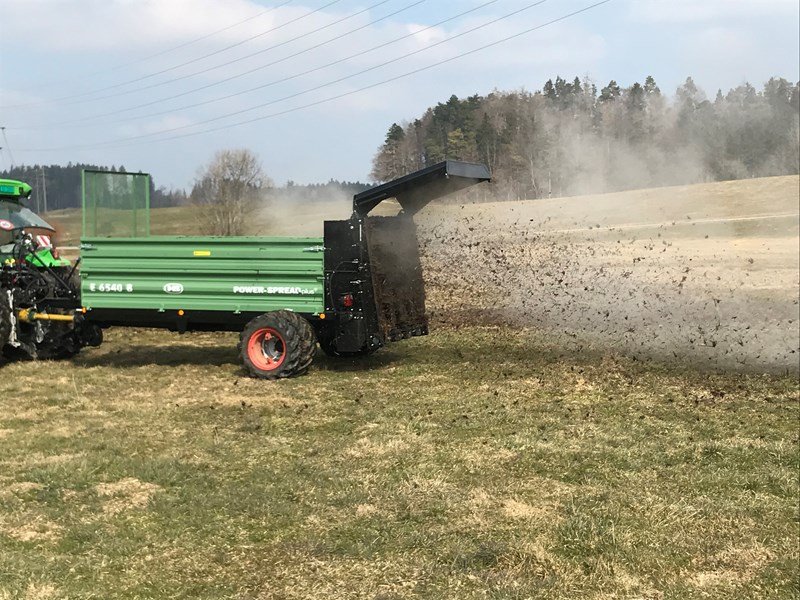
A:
(290, 212)
(705, 275)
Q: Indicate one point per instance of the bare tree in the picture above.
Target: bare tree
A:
(227, 191)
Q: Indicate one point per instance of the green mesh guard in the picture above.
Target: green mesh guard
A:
(115, 204)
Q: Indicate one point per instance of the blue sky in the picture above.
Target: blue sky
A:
(67, 89)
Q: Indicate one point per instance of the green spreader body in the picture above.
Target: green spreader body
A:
(219, 281)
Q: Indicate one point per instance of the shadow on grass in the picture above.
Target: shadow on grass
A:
(381, 358)
(518, 355)
(141, 355)
(162, 355)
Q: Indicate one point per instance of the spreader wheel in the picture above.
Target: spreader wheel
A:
(277, 344)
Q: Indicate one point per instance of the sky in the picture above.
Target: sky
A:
(312, 86)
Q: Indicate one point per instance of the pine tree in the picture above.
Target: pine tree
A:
(611, 92)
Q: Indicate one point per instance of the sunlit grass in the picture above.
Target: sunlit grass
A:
(463, 465)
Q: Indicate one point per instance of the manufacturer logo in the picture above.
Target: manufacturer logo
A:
(278, 291)
(173, 288)
(7, 225)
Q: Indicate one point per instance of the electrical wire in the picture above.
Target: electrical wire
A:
(74, 123)
(166, 50)
(132, 141)
(261, 67)
(346, 77)
(62, 99)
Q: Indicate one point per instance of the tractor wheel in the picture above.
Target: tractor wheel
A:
(329, 348)
(15, 353)
(277, 344)
(63, 351)
(5, 318)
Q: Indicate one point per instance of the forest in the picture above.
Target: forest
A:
(570, 138)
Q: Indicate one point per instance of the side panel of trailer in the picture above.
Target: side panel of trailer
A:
(236, 275)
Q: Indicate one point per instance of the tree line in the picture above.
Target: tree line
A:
(62, 184)
(571, 138)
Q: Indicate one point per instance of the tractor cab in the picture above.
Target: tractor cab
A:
(17, 222)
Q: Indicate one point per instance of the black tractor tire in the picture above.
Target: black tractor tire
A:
(277, 345)
(15, 353)
(43, 352)
(5, 318)
(329, 347)
(57, 352)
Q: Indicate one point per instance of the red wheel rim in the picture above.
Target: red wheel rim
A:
(266, 349)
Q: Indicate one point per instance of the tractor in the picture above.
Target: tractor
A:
(39, 290)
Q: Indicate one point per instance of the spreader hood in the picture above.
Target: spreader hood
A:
(416, 190)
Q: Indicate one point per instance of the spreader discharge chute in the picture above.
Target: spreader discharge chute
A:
(375, 260)
(413, 192)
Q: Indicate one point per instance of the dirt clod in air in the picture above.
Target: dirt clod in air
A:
(624, 274)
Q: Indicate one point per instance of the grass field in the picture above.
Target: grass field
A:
(471, 464)
(525, 460)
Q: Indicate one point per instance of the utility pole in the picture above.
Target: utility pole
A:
(44, 188)
(36, 195)
(8, 148)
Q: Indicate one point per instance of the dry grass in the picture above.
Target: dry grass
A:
(471, 464)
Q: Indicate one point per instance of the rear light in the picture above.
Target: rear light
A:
(348, 301)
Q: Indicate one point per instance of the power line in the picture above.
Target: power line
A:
(363, 71)
(345, 59)
(231, 78)
(132, 141)
(5, 141)
(168, 50)
(230, 62)
(346, 77)
(269, 84)
(178, 66)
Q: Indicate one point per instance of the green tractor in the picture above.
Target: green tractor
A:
(39, 290)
